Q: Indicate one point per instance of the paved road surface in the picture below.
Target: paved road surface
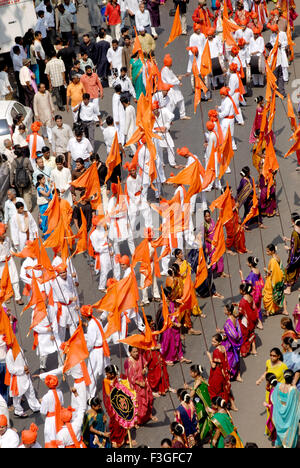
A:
(251, 417)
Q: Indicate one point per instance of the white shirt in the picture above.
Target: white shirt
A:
(130, 121)
(132, 5)
(9, 440)
(39, 49)
(226, 108)
(142, 19)
(2, 349)
(62, 180)
(257, 45)
(215, 47)
(40, 26)
(49, 19)
(24, 76)
(81, 149)
(4, 84)
(109, 135)
(89, 112)
(10, 209)
(114, 57)
(17, 61)
(126, 85)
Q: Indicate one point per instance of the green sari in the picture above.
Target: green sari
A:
(202, 404)
(224, 423)
(137, 76)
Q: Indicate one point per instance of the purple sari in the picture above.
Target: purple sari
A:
(218, 267)
(232, 344)
(267, 205)
(258, 286)
(171, 346)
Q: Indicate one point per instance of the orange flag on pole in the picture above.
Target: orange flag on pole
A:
(291, 114)
(296, 145)
(201, 273)
(81, 235)
(53, 213)
(227, 154)
(188, 299)
(191, 176)
(218, 242)
(89, 180)
(142, 341)
(223, 203)
(6, 289)
(9, 336)
(290, 42)
(270, 165)
(37, 303)
(176, 28)
(44, 261)
(228, 27)
(199, 85)
(57, 241)
(137, 47)
(76, 351)
(210, 172)
(114, 157)
(254, 209)
(142, 255)
(206, 65)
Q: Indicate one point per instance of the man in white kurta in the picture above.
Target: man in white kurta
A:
(48, 407)
(109, 133)
(8, 437)
(197, 39)
(104, 260)
(148, 233)
(23, 227)
(283, 43)
(143, 162)
(118, 114)
(46, 339)
(64, 436)
(19, 373)
(5, 255)
(62, 178)
(131, 313)
(137, 204)
(216, 51)
(176, 96)
(227, 114)
(256, 49)
(212, 140)
(163, 120)
(65, 301)
(130, 121)
(234, 86)
(94, 339)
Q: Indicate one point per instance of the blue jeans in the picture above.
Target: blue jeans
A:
(3, 387)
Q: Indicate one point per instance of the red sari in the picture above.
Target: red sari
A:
(219, 377)
(235, 232)
(158, 376)
(133, 369)
(117, 433)
(248, 319)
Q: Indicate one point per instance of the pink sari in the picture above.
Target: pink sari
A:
(257, 125)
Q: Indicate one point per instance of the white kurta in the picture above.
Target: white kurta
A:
(48, 406)
(196, 40)
(45, 330)
(63, 292)
(282, 56)
(164, 119)
(226, 116)
(62, 180)
(118, 224)
(64, 434)
(97, 361)
(108, 136)
(169, 77)
(9, 440)
(19, 237)
(5, 253)
(118, 116)
(99, 242)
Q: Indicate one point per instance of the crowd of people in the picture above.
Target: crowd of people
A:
(64, 201)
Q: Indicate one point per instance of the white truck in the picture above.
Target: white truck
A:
(16, 17)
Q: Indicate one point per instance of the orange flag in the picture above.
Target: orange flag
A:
(121, 296)
(57, 241)
(137, 47)
(291, 114)
(228, 28)
(206, 65)
(6, 289)
(75, 349)
(44, 261)
(290, 42)
(142, 255)
(218, 242)
(81, 235)
(227, 154)
(31, 250)
(53, 213)
(89, 180)
(176, 28)
(210, 172)
(201, 273)
(296, 145)
(270, 165)
(114, 157)
(142, 341)
(199, 85)
(188, 299)
(37, 303)
(165, 313)
(223, 203)
(254, 209)
(272, 112)
(191, 176)
(9, 336)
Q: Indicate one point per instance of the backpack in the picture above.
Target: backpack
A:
(22, 178)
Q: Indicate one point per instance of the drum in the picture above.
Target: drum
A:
(218, 66)
(248, 74)
(257, 65)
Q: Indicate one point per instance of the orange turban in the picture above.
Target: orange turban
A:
(148, 233)
(161, 86)
(254, 15)
(125, 260)
(168, 60)
(3, 420)
(235, 50)
(129, 166)
(197, 27)
(244, 22)
(114, 189)
(274, 27)
(2, 229)
(86, 311)
(36, 126)
(29, 436)
(241, 42)
(61, 268)
(213, 113)
(66, 414)
(155, 105)
(97, 219)
(233, 67)
(210, 126)
(210, 31)
(224, 91)
(51, 381)
(256, 31)
(184, 151)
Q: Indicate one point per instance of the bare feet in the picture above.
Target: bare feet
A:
(156, 395)
(153, 418)
(172, 390)
(262, 226)
(170, 363)
(225, 275)
(186, 361)
(194, 332)
(230, 252)
(218, 296)
(239, 379)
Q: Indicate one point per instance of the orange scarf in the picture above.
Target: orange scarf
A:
(105, 345)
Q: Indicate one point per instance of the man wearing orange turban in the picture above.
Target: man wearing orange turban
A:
(197, 41)
(29, 437)
(35, 142)
(227, 112)
(51, 405)
(137, 204)
(176, 96)
(71, 435)
(163, 120)
(216, 54)
(282, 60)
(101, 250)
(256, 49)
(8, 437)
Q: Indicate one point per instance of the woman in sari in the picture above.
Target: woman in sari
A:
(288, 329)
(118, 434)
(292, 270)
(267, 203)
(291, 358)
(44, 196)
(94, 425)
(136, 68)
(171, 345)
(201, 399)
(258, 121)
(235, 231)
(270, 430)
(248, 318)
(178, 436)
(136, 371)
(273, 292)
(232, 341)
(219, 377)
(255, 279)
(208, 287)
(223, 424)
(209, 231)
(185, 270)
(186, 415)
(286, 412)
(245, 197)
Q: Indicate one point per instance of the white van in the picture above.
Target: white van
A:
(16, 17)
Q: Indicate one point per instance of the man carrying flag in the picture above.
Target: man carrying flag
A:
(176, 96)
(5, 256)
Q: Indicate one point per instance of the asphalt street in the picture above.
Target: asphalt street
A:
(251, 417)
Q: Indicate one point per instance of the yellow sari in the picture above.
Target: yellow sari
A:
(185, 268)
(273, 292)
